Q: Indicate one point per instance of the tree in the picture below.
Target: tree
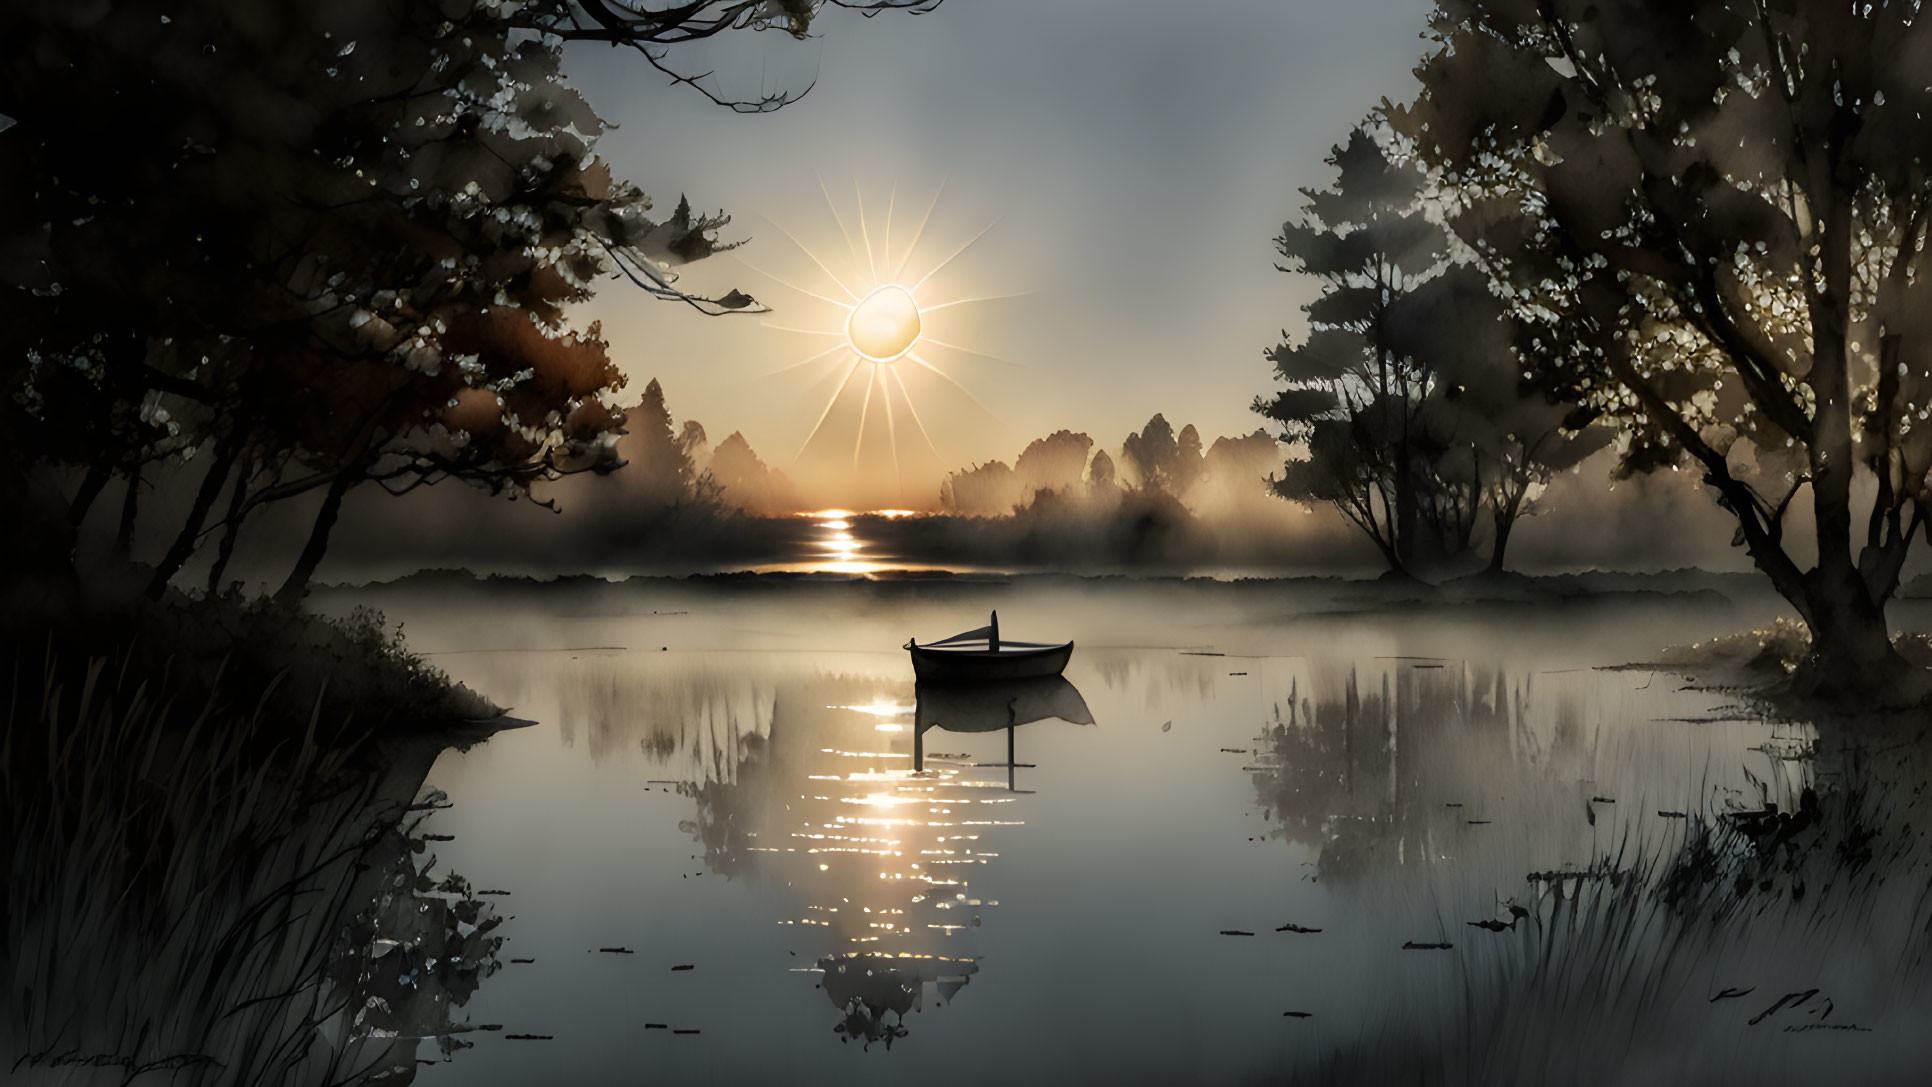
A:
(748, 483)
(312, 246)
(1100, 478)
(1501, 438)
(1356, 385)
(1161, 460)
(1053, 463)
(1716, 213)
(984, 490)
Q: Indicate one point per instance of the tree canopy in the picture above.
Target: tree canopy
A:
(310, 246)
(1713, 216)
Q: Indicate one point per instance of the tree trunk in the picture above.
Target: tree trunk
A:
(297, 585)
(130, 504)
(1405, 506)
(184, 541)
(1504, 522)
(231, 527)
(90, 489)
(1851, 659)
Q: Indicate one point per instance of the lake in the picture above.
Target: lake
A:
(722, 865)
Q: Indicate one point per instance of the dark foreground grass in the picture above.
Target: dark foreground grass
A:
(215, 868)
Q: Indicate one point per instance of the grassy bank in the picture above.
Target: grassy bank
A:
(218, 868)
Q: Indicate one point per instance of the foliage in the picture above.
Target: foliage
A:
(311, 246)
(1404, 392)
(1713, 215)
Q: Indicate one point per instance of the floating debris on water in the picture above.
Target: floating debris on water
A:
(617, 951)
(687, 1030)
(657, 1026)
(1411, 945)
(1672, 814)
(523, 960)
(1292, 927)
(493, 891)
(1788, 999)
(1235, 932)
(1727, 994)
(530, 1037)
(1297, 1015)
(685, 966)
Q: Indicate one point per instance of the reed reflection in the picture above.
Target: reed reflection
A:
(886, 843)
(1725, 908)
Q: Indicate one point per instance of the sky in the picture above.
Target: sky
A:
(1130, 162)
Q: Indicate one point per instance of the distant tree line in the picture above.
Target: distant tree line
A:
(1154, 464)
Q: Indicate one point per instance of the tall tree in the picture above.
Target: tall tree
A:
(1356, 385)
(312, 246)
(1718, 214)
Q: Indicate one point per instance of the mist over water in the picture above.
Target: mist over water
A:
(724, 779)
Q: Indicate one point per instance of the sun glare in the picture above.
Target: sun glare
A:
(884, 325)
(878, 301)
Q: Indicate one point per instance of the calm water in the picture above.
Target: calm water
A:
(724, 780)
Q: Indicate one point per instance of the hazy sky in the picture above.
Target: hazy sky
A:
(1133, 159)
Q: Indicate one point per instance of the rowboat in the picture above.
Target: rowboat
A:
(976, 656)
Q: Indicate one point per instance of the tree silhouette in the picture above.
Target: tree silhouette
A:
(1357, 385)
(1053, 463)
(1161, 460)
(314, 246)
(1716, 214)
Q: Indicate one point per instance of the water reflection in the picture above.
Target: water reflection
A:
(1585, 892)
(1487, 870)
(889, 844)
(992, 707)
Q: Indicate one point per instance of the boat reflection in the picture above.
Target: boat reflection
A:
(887, 844)
(990, 707)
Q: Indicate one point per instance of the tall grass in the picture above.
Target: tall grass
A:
(204, 893)
(1739, 949)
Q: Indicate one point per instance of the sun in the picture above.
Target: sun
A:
(887, 323)
(884, 325)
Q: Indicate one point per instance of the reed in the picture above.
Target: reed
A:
(212, 892)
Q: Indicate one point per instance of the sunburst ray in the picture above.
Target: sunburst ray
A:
(941, 266)
(804, 331)
(865, 235)
(865, 408)
(822, 266)
(789, 285)
(838, 218)
(948, 379)
(804, 362)
(829, 404)
(937, 306)
(914, 412)
(969, 351)
(892, 440)
(918, 233)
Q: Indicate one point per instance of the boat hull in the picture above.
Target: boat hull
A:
(979, 665)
